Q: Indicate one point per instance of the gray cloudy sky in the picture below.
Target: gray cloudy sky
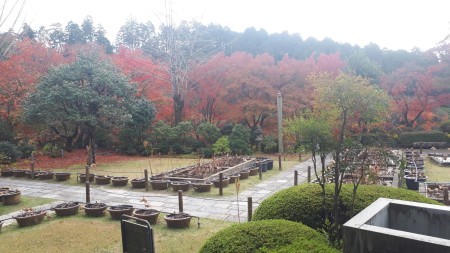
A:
(394, 24)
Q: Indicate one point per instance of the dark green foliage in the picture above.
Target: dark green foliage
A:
(406, 140)
(240, 140)
(8, 152)
(303, 203)
(377, 140)
(445, 126)
(25, 149)
(6, 131)
(267, 236)
(208, 133)
(269, 144)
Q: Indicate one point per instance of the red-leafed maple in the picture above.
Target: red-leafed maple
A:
(151, 79)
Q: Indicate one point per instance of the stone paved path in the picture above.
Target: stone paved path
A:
(222, 208)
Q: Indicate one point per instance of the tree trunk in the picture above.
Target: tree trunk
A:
(178, 106)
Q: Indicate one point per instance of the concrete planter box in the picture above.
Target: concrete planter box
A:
(389, 225)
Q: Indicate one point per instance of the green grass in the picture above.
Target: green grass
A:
(436, 173)
(25, 202)
(83, 234)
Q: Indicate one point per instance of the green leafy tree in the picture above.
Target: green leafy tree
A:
(208, 133)
(240, 140)
(221, 146)
(80, 98)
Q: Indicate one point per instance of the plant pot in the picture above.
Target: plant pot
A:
(95, 209)
(244, 174)
(202, 187)
(117, 211)
(28, 173)
(102, 180)
(180, 185)
(234, 177)
(83, 177)
(7, 173)
(269, 164)
(3, 190)
(178, 220)
(253, 171)
(19, 173)
(159, 184)
(11, 197)
(264, 166)
(411, 182)
(119, 181)
(66, 209)
(30, 218)
(150, 215)
(45, 175)
(62, 176)
(138, 183)
(225, 182)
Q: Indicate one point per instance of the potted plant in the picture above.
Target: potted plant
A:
(202, 186)
(19, 173)
(66, 209)
(62, 176)
(30, 217)
(119, 181)
(102, 180)
(225, 182)
(234, 177)
(178, 220)
(28, 173)
(83, 177)
(7, 173)
(11, 197)
(95, 209)
(244, 174)
(44, 175)
(180, 185)
(117, 211)
(138, 183)
(150, 215)
(159, 184)
(253, 171)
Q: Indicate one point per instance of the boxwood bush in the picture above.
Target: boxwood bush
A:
(267, 236)
(303, 203)
(407, 140)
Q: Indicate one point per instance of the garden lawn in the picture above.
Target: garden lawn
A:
(83, 234)
(25, 202)
(436, 173)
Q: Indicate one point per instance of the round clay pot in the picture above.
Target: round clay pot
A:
(202, 187)
(180, 185)
(234, 177)
(83, 177)
(95, 209)
(225, 182)
(269, 164)
(11, 197)
(28, 173)
(159, 184)
(66, 209)
(117, 211)
(19, 173)
(150, 215)
(138, 183)
(244, 174)
(45, 175)
(7, 173)
(62, 176)
(102, 180)
(178, 220)
(119, 181)
(30, 218)
(3, 191)
(253, 171)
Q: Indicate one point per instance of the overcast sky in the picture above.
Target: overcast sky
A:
(393, 24)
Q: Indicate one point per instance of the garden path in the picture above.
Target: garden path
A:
(222, 208)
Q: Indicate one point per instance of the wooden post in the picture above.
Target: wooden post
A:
(309, 174)
(250, 208)
(62, 153)
(421, 146)
(295, 177)
(88, 187)
(299, 157)
(260, 170)
(32, 165)
(146, 179)
(446, 200)
(220, 184)
(180, 201)
(279, 161)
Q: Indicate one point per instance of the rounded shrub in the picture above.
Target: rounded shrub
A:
(304, 203)
(267, 236)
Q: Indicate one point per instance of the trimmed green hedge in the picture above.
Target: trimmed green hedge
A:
(407, 140)
(267, 236)
(303, 203)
